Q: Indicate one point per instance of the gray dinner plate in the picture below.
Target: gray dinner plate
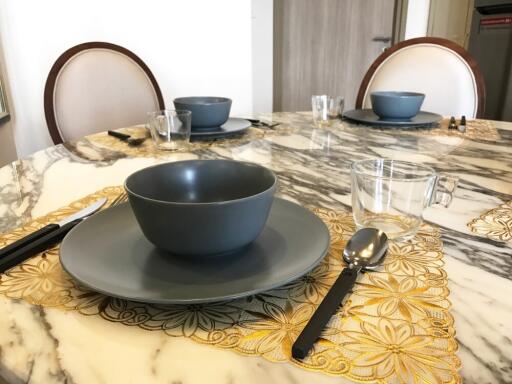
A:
(233, 126)
(109, 254)
(366, 116)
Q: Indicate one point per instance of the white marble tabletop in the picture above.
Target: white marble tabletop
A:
(48, 345)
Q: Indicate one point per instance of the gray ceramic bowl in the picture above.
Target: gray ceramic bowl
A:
(207, 111)
(396, 105)
(201, 207)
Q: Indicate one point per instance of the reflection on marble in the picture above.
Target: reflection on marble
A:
(51, 346)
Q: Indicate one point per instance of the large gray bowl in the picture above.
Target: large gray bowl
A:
(396, 105)
(207, 111)
(201, 207)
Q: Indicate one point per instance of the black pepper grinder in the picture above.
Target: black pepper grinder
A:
(452, 124)
(462, 125)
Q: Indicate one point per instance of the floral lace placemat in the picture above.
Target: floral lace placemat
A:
(495, 224)
(395, 327)
(483, 130)
(105, 142)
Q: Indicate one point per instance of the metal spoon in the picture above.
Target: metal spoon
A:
(364, 251)
(260, 123)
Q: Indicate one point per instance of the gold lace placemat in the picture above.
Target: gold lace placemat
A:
(475, 130)
(147, 148)
(495, 224)
(395, 327)
(483, 130)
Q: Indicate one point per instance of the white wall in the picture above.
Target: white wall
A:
(193, 47)
(416, 24)
(7, 144)
(262, 54)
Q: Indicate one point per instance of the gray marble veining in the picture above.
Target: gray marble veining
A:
(48, 346)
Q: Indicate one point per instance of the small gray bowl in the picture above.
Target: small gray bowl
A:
(207, 111)
(396, 105)
(201, 207)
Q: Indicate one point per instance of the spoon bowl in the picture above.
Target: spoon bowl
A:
(366, 248)
(134, 142)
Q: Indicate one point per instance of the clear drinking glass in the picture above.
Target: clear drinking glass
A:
(326, 109)
(170, 129)
(391, 195)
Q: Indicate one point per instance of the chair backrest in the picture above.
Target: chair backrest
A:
(97, 86)
(442, 70)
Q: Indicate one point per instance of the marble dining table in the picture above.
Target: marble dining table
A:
(48, 345)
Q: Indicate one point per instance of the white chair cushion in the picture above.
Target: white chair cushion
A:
(100, 89)
(440, 73)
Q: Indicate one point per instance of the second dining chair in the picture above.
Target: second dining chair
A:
(96, 86)
(442, 70)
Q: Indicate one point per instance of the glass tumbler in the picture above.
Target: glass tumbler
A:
(326, 109)
(391, 195)
(170, 129)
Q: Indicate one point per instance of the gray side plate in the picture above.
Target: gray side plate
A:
(108, 253)
(233, 126)
(366, 116)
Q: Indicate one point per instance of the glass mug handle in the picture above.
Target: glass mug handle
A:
(444, 188)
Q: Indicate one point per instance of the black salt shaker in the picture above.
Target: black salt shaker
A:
(462, 125)
(452, 124)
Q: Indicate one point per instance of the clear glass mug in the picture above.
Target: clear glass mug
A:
(391, 195)
(326, 109)
(170, 129)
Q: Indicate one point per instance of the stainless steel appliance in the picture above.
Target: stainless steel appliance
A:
(490, 44)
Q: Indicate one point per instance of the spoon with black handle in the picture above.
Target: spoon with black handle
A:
(364, 251)
(260, 123)
(130, 140)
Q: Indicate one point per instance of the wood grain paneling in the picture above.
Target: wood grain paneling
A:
(325, 47)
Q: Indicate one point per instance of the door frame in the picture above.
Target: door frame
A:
(399, 20)
(469, 16)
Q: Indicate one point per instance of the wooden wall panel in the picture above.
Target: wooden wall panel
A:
(325, 47)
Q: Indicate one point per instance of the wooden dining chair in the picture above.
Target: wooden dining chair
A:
(97, 86)
(442, 70)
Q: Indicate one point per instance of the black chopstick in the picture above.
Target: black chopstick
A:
(24, 241)
(119, 135)
(323, 313)
(36, 246)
